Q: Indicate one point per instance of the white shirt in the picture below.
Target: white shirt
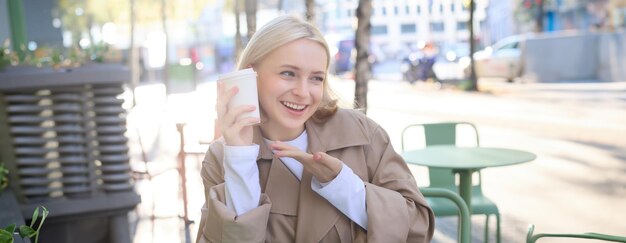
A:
(241, 175)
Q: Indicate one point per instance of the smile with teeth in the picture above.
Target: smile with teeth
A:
(293, 106)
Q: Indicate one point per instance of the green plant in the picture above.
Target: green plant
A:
(4, 177)
(6, 234)
(464, 84)
(5, 58)
(55, 57)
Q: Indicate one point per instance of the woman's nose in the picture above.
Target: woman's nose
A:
(301, 88)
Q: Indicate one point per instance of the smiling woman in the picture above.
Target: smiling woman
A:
(291, 86)
(309, 171)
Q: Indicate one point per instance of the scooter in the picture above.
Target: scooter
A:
(418, 67)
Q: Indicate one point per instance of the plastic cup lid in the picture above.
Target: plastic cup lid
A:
(236, 74)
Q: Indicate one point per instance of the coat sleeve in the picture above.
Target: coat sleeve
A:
(218, 223)
(396, 210)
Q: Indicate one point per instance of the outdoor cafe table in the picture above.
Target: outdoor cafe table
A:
(466, 160)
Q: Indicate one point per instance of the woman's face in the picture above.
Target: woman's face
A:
(290, 84)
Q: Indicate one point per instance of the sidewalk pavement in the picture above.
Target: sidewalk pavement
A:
(152, 123)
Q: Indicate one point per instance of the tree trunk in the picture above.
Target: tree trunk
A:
(361, 42)
(251, 7)
(238, 44)
(539, 19)
(165, 72)
(472, 42)
(310, 11)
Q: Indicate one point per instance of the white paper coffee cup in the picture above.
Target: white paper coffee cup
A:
(245, 79)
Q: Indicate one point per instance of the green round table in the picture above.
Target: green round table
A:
(466, 160)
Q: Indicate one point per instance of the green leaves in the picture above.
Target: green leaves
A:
(26, 231)
(4, 177)
(6, 234)
(29, 230)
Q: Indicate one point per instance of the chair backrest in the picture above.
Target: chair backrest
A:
(531, 237)
(443, 133)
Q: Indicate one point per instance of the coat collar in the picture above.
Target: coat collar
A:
(342, 130)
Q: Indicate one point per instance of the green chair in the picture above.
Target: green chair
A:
(530, 238)
(442, 134)
(464, 227)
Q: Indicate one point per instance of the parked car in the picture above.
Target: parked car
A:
(448, 65)
(501, 60)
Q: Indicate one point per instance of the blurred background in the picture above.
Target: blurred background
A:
(200, 38)
(545, 76)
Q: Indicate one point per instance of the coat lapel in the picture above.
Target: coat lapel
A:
(282, 186)
(316, 216)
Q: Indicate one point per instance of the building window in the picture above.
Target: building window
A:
(441, 7)
(408, 28)
(395, 10)
(461, 26)
(384, 11)
(419, 9)
(407, 9)
(379, 30)
(452, 7)
(431, 6)
(436, 27)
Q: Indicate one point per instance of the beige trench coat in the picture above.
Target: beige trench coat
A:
(290, 211)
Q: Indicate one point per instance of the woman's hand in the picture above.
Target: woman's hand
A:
(237, 131)
(323, 166)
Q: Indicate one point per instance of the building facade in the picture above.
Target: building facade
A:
(399, 26)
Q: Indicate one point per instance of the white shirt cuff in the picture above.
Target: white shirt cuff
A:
(347, 193)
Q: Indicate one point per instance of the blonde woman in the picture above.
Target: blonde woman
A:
(308, 171)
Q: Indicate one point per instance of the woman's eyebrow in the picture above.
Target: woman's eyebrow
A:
(290, 66)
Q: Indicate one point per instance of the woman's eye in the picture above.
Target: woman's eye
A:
(288, 74)
(319, 79)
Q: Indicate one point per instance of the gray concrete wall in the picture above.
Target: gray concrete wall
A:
(552, 58)
(559, 57)
(612, 57)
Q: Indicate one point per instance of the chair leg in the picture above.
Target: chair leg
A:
(498, 238)
(486, 228)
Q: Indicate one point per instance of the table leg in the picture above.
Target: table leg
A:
(465, 187)
(465, 190)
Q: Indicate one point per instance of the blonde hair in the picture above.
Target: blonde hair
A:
(278, 32)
